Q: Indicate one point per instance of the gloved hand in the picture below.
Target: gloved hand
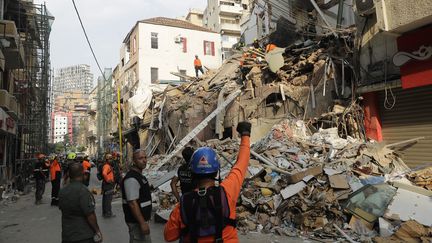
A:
(244, 128)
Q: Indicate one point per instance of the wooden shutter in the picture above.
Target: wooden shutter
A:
(184, 40)
(205, 42)
(212, 48)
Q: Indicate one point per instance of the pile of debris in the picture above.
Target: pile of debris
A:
(319, 186)
(320, 179)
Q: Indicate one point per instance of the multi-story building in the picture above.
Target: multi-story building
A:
(75, 102)
(223, 17)
(24, 80)
(396, 74)
(91, 128)
(77, 77)
(62, 126)
(195, 16)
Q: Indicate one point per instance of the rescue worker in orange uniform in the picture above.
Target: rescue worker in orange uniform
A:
(198, 66)
(270, 47)
(208, 213)
(86, 167)
(55, 173)
(107, 187)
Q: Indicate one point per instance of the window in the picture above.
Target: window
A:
(209, 49)
(184, 41)
(245, 6)
(154, 72)
(134, 45)
(154, 40)
(226, 3)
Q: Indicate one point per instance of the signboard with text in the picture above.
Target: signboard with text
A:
(7, 123)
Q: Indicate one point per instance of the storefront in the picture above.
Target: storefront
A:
(7, 146)
(405, 112)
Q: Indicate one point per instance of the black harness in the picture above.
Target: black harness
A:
(205, 213)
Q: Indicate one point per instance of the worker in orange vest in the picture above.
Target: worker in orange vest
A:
(208, 213)
(198, 66)
(86, 167)
(107, 187)
(270, 47)
(55, 173)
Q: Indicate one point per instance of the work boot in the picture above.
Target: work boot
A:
(109, 216)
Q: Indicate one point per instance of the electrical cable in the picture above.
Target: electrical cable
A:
(387, 104)
(88, 41)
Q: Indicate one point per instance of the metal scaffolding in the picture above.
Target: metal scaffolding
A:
(33, 79)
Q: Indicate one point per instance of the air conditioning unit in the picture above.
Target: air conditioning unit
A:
(365, 7)
(178, 39)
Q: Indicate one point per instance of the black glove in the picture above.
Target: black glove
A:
(244, 128)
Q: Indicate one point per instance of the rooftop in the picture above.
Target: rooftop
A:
(175, 23)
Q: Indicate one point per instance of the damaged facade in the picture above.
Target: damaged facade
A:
(338, 117)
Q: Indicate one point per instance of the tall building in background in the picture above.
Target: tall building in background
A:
(223, 16)
(77, 77)
(195, 16)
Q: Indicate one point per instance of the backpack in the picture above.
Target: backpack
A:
(99, 171)
(205, 213)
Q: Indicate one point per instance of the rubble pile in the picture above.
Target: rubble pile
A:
(312, 171)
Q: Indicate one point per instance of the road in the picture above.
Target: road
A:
(23, 222)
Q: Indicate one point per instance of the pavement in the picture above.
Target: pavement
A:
(23, 221)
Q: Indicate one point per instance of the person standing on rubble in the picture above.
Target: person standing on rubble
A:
(137, 202)
(270, 47)
(184, 175)
(40, 173)
(55, 173)
(77, 204)
(198, 66)
(107, 187)
(208, 213)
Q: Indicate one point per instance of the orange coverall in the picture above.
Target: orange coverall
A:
(54, 168)
(232, 185)
(108, 173)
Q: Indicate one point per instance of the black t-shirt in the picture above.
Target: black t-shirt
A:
(185, 177)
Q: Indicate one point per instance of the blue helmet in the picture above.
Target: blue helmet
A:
(204, 161)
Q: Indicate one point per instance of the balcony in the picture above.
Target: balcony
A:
(4, 99)
(230, 28)
(229, 10)
(13, 107)
(401, 16)
(13, 49)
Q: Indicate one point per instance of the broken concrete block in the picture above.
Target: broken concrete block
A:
(339, 181)
(407, 205)
(386, 229)
(292, 190)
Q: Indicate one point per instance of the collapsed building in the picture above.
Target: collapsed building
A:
(317, 166)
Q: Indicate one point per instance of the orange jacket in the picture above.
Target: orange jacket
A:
(55, 167)
(197, 62)
(270, 47)
(86, 166)
(232, 185)
(108, 173)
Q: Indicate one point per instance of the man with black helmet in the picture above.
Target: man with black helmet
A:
(208, 213)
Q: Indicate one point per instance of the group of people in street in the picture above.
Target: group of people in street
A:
(206, 208)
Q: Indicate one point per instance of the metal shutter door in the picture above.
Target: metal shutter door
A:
(411, 117)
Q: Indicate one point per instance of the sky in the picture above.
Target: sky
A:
(107, 22)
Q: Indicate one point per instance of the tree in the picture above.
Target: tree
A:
(81, 148)
(59, 147)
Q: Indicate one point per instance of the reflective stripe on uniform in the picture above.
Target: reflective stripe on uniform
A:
(145, 204)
